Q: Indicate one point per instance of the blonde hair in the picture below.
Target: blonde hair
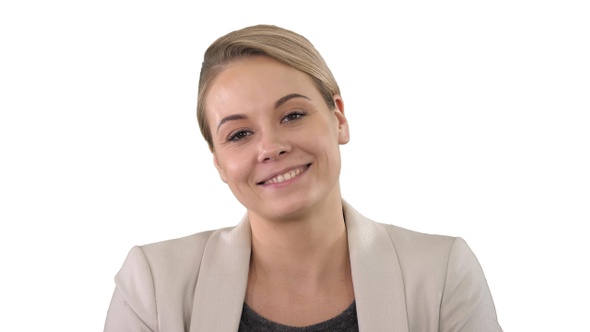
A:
(274, 42)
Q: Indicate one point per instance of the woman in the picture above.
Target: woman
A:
(302, 259)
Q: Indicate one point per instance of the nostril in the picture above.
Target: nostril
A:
(271, 154)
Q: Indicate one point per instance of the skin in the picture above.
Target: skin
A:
(276, 145)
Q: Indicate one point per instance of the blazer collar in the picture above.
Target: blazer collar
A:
(223, 276)
(376, 276)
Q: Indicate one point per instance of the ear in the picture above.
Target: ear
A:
(219, 168)
(343, 131)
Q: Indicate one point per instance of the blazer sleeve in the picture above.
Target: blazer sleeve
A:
(133, 306)
(467, 303)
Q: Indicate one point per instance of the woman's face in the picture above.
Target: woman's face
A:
(276, 143)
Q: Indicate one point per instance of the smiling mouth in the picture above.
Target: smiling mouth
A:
(286, 176)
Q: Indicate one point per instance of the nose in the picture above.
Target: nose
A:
(271, 147)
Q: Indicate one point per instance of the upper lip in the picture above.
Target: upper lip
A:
(283, 171)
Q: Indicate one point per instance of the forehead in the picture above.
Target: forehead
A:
(255, 82)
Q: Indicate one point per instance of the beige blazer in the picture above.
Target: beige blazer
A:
(403, 281)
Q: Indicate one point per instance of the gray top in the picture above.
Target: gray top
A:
(344, 322)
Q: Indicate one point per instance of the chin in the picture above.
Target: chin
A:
(285, 210)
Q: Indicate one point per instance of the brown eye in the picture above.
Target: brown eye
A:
(239, 135)
(293, 116)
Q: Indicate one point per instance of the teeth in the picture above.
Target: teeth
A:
(287, 176)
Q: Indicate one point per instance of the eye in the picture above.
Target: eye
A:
(238, 135)
(295, 115)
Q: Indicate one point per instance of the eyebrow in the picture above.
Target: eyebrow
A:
(288, 97)
(278, 104)
(230, 118)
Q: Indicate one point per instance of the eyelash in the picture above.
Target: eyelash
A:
(238, 135)
(295, 115)
(241, 134)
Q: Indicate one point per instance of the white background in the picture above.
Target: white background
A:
(468, 118)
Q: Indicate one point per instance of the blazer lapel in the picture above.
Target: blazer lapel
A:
(223, 276)
(376, 275)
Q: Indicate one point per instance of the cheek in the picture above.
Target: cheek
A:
(238, 173)
(235, 167)
(327, 139)
(325, 146)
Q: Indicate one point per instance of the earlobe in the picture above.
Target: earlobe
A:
(343, 131)
(219, 169)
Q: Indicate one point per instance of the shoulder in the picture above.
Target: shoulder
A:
(173, 258)
(443, 271)
(422, 254)
(424, 258)
(411, 247)
(180, 249)
(406, 237)
(430, 252)
(157, 264)
(159, 278)
(155, 282)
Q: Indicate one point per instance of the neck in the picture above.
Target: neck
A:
(311, 247)
(300, 268)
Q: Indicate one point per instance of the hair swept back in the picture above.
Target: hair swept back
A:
(274, 42)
